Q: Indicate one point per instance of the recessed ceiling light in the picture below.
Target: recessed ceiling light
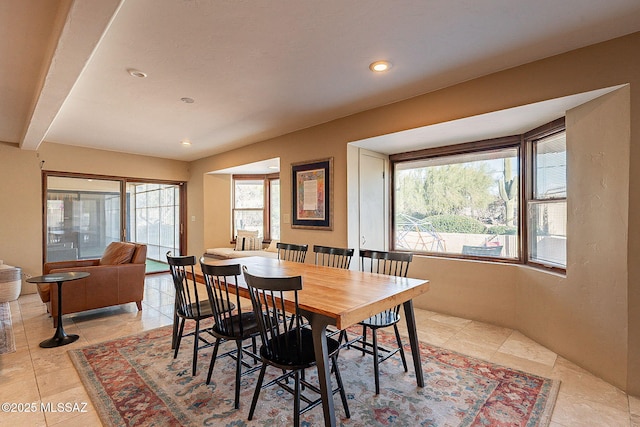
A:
(186, 143)
(187, 100)
(136, 73)
(380, 66)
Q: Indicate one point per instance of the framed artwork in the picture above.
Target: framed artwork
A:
(312, 197)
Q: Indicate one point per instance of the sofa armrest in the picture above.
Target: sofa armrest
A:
(100, 289)
(131, 282)
(50, 266)
(44, 289)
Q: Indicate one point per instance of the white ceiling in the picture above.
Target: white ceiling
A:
(264, 167)
(257, 69)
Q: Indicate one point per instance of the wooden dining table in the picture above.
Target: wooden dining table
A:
(338, 297)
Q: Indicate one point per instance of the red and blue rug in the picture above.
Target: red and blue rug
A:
(134, 381)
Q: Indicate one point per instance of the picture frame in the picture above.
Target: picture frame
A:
(312, 194)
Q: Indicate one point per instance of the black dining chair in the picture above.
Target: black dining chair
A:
(292, 252)
(329, 256)
(392, 264)
(333, 257)
(286, 345)
(188, 305)
(221, 282)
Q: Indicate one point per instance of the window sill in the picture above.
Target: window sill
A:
(555, 271)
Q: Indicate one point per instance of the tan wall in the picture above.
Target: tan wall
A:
(215, 195)
(20, 209)
(21, 191)
(506, 295)
(585, 314)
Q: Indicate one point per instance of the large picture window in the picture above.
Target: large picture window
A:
(256, 205)
(502, 199)
(462, 204)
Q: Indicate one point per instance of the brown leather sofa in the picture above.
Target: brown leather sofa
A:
(116, 278)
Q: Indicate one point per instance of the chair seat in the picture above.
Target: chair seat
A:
(231, 329)
(293, 358)
(382, 320)
(206, 310)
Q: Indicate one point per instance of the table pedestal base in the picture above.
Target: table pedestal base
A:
(58, 340)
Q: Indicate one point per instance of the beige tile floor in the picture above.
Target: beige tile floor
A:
(33, 374)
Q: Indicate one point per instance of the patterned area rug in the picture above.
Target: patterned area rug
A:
(135, 381)
(7, 341)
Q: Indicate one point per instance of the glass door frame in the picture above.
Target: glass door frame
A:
(123, 201)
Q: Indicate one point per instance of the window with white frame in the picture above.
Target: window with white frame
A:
(256, 205)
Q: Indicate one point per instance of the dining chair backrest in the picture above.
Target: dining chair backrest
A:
(279, 333)
(333, 257)
(221, 282)
(389, 263)
(292, 252)
(187, 302)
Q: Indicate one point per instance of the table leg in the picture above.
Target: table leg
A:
(60, 337)
(413, 340)
(319, 331)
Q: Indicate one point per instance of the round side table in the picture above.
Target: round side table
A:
(60, 337)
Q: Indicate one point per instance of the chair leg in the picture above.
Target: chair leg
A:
(254, 348)
(174, 337)
(376, 361)
(399, 341)
(256, 393)
(179, 338)
(196, 338)
(213, 359)
(343, 395)
(364, 337)
(343, 337)
(238, 373)
(296, 400)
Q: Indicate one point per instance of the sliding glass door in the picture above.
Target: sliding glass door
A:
(85, 213)
(83, 217)
(154, 217)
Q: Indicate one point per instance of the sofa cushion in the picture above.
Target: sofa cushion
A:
(273, 246)
(139, 254)
(117, 253)
(247, 240)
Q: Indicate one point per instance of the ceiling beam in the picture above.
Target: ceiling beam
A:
(82, 27)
